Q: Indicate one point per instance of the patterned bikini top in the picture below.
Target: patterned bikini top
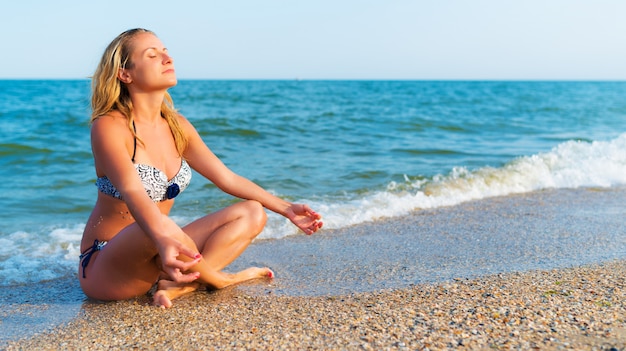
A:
(154, 180)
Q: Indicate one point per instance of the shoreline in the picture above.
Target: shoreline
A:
(544, 268)
(572, 308)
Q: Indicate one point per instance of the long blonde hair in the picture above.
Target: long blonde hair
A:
(110, 94)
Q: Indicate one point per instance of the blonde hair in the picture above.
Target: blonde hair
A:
(110, 94)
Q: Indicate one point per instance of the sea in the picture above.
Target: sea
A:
(355, 151)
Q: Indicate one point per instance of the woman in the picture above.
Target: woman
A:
(143, 152)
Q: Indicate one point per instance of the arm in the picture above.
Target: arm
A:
(112, 158)
(205, 162)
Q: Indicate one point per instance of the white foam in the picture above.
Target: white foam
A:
(572, 164)
(33, 257)
(53, 253)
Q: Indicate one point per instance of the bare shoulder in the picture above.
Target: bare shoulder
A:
(112, 119)
(113, 123)
(190, 130)
(196, 147)
(111, 129)
(185, 124)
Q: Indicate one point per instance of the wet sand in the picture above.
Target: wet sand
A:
(542, 270)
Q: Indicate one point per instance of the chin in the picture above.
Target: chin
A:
(171, 83)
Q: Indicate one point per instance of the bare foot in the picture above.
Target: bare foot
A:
(228, 279)
(252, 273)
(168, 290)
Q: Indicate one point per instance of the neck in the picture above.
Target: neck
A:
(147, 107)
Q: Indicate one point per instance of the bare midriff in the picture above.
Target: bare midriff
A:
(109, 217)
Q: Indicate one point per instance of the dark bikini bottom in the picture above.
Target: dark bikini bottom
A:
(86, 255)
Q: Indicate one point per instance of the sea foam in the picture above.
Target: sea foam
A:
(572, 164)
(53, 252)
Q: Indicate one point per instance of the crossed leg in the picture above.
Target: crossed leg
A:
(221, 237)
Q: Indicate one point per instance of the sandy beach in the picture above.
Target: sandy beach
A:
(536, 271)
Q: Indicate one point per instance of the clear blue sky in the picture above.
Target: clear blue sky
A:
(324, 39)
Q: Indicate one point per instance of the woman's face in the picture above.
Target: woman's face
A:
(152, 67)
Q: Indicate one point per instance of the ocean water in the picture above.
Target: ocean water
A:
(356, 151)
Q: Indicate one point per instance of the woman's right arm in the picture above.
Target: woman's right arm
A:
(112, 157)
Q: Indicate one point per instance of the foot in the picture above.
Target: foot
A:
(254, 273)
(168, 290)
(228, 279)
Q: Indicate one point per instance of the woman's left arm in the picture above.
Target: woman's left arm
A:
(205, 162)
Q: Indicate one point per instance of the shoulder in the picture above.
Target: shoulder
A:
(112, 127)
(184, 122)
(112, 121)
(188, 128)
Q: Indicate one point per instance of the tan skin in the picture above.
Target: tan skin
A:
(143, 242)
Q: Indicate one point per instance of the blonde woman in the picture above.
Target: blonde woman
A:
(144, 152)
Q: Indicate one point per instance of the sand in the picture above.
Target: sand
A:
(536, 271)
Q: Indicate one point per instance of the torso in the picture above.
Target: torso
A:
(110, 215)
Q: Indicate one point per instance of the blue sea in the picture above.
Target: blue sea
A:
(356, 151)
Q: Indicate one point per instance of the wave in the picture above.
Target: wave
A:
(572, 164)
(53, 252)
(34, 257)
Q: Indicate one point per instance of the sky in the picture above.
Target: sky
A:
(327, 39)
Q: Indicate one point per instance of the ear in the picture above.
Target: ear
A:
(124, 76)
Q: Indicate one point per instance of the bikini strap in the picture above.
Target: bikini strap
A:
(86, 255)
(134, 143)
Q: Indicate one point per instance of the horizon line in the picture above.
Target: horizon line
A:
(358, 79)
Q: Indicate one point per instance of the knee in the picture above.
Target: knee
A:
(256, 215)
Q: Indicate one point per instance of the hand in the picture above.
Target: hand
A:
(304, 218)
(176, 257)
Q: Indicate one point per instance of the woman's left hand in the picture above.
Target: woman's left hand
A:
(304, 218)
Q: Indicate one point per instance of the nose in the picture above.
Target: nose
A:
(167, 58)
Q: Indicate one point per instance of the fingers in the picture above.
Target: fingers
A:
(175, 267)
(190, 253)
(306, 219)
(180, 277)
(306, 209)
(313, 227)
(174, 260)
